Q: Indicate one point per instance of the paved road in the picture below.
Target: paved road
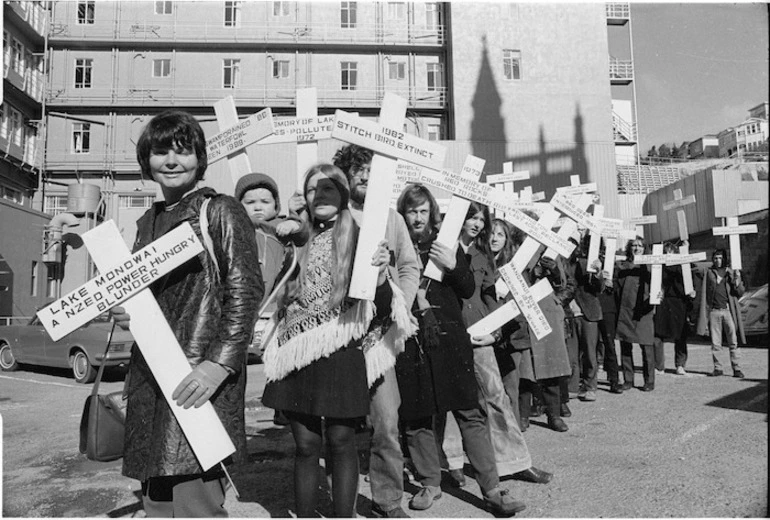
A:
(695, 447)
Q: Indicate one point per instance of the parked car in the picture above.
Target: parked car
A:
(753, 306)
(82, 350)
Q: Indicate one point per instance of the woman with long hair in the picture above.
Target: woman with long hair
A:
(314, 362)
(635, 316)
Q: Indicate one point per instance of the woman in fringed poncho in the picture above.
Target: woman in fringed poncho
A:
(314, 358)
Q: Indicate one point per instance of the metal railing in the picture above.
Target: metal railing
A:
(622, 129)
(32, 13)
(147, 95)
(618, 10)
(640, 179)
(621, 69)
(247, 32)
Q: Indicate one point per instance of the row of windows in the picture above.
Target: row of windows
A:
(18, 57)
(12, 194)
(231, 72)
(55, 204)
(232, 12)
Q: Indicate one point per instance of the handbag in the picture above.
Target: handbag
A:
(102, 422)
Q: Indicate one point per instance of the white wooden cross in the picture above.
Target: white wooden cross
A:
(234, 136)
(612, 231)
(454, 218)
(679, 203)
(306, 129)
(575, 188)
(123, 280)
(507, 179)
(641, 221)
(734, 230)
(657, 259)
(389, 142)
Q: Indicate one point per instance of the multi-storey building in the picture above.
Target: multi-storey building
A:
(25, 280)
(748, 136)
(529, 83)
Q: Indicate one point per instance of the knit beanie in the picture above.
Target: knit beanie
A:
(251, 181)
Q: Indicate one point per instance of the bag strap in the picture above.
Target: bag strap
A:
(204, 222)
(95, 389)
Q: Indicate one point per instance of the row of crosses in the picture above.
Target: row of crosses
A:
(394, 150)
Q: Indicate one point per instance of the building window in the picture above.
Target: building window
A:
(231, 73)
(86, 11)
(55, 204)
(435, 79)
(281, 69)
(18, 56)
(511, 64)
(232, 14)
(348, 15)
(349, 78)
(6, 49)
(83, 68)
(432, 16)
(16, 127)
(161, 68)
(434, 132)
(396, 10)
(163, 7)
(136, 201)
(396, 70)
(280, 8)
(3, 122)
(33, 278)
(52, 281)
(81, 137)
(12, 194)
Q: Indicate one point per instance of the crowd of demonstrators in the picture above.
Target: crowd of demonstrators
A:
(400, 363)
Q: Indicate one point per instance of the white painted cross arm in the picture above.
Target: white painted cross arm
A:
(734, 230)
(526, 301)
(119, 281)
(499, 200)
(576, 188)
(508, 311)
(502, 178)
(669, 259)
(239, 135)
(567, 205)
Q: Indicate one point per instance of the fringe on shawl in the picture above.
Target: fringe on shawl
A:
(320, 342)
(381, 356)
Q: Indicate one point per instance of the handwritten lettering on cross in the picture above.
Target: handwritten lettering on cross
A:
(389, 142)
(734, 230)
(123, 279)
(657, 259)
(575, 188)
(454, 218)
(306, 129)
(679, 203)
(508, 179)
(612, 231)
(641, 221)
(234, 136)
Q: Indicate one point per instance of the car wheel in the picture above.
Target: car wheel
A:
(82, 369)
(7, 361)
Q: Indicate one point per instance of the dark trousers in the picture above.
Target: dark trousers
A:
(680, 353)
(548, 391)
(588, 337)
(423, 449)
(610, 357)
(184, 496)
(648, 362)
(573, 353)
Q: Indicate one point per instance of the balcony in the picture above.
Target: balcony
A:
(646, 179)
(152, 96)
(624, 132)
(33, 14)
(621, 71)
(213, 32)
(618, 13)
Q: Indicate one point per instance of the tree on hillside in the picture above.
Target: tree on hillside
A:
(653, 152)
(664, 150)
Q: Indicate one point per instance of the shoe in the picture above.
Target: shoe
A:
(396, 512)
(534, 475)
(660, 372)
(425, 497)
(616, 388)
(456, 478)
(680, 371)
(627, 385)
(738, 374)
(564, 410)
(502, 503)
(648, 387)
(557, 424)
(524, 424)
(582, 393)
(279, 419)
(590, 396)
(717, 372)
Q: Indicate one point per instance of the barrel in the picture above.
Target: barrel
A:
(83, 198)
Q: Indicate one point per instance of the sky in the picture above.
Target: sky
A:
(699, 68)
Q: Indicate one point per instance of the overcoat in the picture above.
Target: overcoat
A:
(671, 314)
(632, 296)
(706, 297)
(434, 379)
(212, 315)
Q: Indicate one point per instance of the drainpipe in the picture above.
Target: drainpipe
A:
(52, 236)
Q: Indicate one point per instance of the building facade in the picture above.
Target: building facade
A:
(748, 136)
(535, 84)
